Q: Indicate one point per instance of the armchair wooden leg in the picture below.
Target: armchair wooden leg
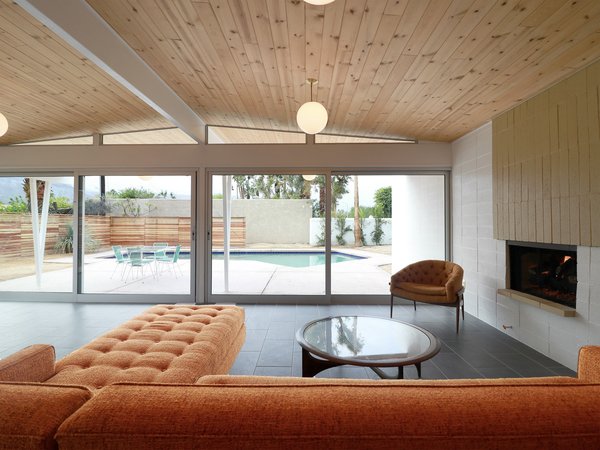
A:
(415, 305)
(457, 314)
(391, 305)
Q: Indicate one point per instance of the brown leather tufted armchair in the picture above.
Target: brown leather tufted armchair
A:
(430, 281)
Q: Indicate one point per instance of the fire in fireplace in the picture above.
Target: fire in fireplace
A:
(544, 270)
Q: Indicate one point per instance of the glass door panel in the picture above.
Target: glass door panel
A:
(381, 223)
(36, 250)
(137, 234)
(266, 234)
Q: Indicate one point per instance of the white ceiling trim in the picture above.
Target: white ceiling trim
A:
(81, 27)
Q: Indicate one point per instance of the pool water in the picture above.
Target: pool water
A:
(289, 259)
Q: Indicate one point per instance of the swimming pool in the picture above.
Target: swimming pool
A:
(280, 258)
(289, 259)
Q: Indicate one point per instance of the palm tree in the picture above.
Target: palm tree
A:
(40, 185)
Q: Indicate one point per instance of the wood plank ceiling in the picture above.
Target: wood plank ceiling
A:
(48, 90)
(429, 69)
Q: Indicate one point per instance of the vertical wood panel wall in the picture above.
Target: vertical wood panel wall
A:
(546, 165)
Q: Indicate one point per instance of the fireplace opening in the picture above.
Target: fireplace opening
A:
(544, 270)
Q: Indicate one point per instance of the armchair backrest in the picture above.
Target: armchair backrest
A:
(433, 272)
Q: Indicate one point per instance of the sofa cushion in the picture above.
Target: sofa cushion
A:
(166, 344)
(34, 363)
(413, 296)
(31, 413)
(333, 416)
(424, 289)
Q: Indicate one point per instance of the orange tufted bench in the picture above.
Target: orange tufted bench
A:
(165, 344)
(430, 281)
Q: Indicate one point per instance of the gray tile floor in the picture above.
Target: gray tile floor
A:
(479, 351)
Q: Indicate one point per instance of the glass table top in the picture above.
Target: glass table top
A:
(368, 340)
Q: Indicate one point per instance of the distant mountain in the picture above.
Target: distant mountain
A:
(13, 187)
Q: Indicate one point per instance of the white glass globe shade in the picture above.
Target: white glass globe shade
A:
(318, 2)
(309, 177)
(3, 125)
(312, 117)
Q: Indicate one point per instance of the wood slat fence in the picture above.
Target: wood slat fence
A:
(16, 238)
(238, 232)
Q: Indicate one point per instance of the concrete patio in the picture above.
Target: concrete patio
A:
(358, 276)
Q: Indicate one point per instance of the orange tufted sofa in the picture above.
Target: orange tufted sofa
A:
(164, 344)
(430, 281)
(229, 412)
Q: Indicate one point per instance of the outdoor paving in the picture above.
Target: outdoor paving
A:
(100, 277)
(358, 276)
(17, 267)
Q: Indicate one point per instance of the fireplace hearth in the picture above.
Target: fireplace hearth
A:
(544, 270)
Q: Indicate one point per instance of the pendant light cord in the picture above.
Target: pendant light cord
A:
(312, 82)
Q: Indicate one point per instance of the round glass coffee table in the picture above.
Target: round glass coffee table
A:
(372, 342)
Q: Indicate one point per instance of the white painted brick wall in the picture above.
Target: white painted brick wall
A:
(484, 261)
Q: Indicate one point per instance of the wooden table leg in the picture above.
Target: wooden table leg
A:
(312, 366)
(385, 376)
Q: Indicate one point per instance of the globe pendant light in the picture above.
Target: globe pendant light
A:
(318, 2)
(312, 116)
(3, 125)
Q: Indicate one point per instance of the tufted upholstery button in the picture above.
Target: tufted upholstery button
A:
(166, 343)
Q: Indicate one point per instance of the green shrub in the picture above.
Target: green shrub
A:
(15, 205)
(65, 242)
(377, 233)
(131, 193)
(321, 236)
(340, 222)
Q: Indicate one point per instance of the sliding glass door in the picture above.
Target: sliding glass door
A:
(266, 234)
(136, 235)
(340, 234)
(380, 224)
(36, 233)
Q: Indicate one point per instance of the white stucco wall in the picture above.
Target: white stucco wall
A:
(154, 207)
(418, 231)
(271, 221)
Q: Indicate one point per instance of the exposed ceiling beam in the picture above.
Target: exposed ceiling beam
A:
(81, 27)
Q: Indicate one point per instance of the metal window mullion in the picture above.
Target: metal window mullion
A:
(448, 213)
(328, 235)
(207, 234)
(78, 219)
